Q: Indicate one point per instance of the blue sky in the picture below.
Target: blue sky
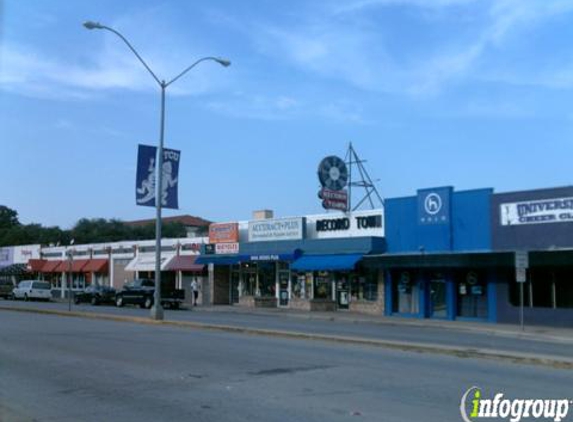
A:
(468, 93)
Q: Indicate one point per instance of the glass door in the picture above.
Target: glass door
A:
(284, 277)
(405, 293)
(234, 285)
(438, 298)
(342, 292)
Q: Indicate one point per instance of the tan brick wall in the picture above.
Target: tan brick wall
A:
(370, 307)
(119, 273)
(301, 304)
(247, 301)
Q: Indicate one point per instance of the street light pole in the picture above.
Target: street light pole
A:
(157, 309)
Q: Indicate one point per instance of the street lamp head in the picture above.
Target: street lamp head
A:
(93, 25)
(223, 62)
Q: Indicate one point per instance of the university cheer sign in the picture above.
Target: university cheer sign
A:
(556, 210)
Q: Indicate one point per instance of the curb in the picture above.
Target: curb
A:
(485, 329)
(460, 352)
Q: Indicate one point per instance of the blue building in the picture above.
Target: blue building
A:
(438, 262)
(441, 253)
(451, 255)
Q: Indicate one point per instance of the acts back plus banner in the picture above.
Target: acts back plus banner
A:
(145, 185)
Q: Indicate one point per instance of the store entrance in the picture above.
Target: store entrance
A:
(343, 292)
(438, 298)
(234, 286)
(284, 277)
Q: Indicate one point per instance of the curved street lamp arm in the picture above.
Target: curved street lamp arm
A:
(191, 67)
(134, 52)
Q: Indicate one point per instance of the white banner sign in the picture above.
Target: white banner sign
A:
(343, 225)
(226, 248)
(280, 229)
(22, 254)
(557, 210)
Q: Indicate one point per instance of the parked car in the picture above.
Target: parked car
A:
(33, 289)
(140, 292)
(95, 294)
(6, 287)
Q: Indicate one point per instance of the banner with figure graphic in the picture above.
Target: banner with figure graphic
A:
(146, 177)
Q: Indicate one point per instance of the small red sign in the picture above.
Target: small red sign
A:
(334, 199)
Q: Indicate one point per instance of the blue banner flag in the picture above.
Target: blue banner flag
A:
(145, 187)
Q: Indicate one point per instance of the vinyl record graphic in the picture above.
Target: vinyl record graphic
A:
(332, 173)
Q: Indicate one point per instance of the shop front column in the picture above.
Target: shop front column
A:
(491, 295)
(388, 293)
(64, 285)
(451, 297)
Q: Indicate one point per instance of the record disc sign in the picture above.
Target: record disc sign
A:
(332, 173)
(333, 176)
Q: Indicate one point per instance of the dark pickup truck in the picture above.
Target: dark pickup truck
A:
(140, 292)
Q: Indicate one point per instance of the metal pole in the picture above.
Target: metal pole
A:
(521, 306)
(349, 205)
(157, 309)
(70, 258)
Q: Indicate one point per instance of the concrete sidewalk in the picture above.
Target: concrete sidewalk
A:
(507, 330)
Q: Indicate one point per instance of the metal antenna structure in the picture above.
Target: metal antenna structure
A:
(365, 182)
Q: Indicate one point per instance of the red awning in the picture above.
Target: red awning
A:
(96, 266)
(184, 263)
(50, 266)
(62, 267)
(78, 265)
(36, 265)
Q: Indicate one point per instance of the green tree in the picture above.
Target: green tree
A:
(99, 230)
(8, 218)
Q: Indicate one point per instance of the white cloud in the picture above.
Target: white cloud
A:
(282, 107)
(257, 106)
(342, 112)
(354, 52)
(360, 5)
(28, 70)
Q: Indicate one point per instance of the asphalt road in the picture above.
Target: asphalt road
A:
(58, 369)
(501, 341)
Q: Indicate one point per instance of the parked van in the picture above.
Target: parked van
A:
(33, 289)
(6, 287)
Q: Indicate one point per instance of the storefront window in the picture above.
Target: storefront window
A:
(323, 285)
(248, 286)
(78, 281)
(405, 293)
(267, 279)
(301, 285)
(364, 285)
(471, 294)
(545, 288)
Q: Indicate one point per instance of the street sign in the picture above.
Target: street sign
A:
(521, 265)
(520, 275)
(521, 259)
